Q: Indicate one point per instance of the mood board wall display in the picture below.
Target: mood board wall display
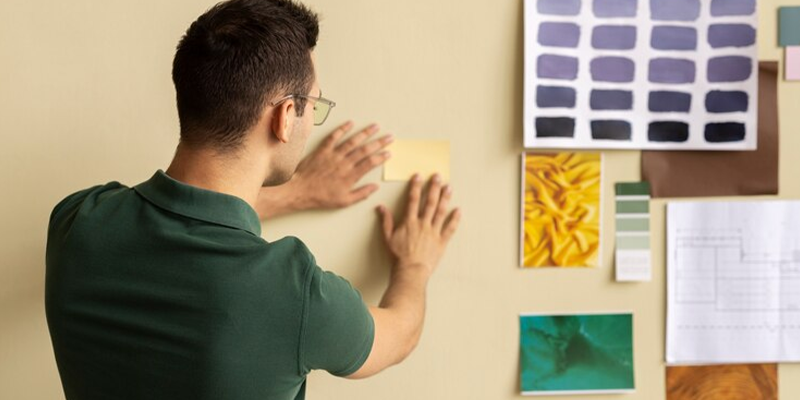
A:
(632, 256)
(570, 354)
(733, 282)
(724, 173)
(640, 74)
(561, 211)
(723, 382)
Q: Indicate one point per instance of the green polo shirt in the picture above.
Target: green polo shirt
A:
(168, 291)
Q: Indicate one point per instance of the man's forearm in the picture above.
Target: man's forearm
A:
(280, 200)
(405, 299)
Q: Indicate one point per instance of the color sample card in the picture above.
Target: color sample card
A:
(792, 63)
(641, 74)
(633, 232)
(789, 26)
(572, 354)
(560, 210)
(724, 173)
(425, 157)
(723, 382)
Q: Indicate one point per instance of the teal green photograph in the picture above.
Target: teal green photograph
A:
(576, 353)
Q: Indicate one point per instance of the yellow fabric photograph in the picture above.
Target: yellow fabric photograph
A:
(561, 210)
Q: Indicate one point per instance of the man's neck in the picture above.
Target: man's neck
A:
(208, 169)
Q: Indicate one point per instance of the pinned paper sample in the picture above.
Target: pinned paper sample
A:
(733, 274)
(789, 26)
(560, 210)
(641, 74)
(426, 157)
(706, 173)
(723, 382)
(792, 63)
(574, 354)
(633, 232)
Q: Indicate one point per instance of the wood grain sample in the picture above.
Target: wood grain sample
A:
(723, 382)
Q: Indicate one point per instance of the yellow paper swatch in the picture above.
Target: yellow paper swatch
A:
(426, 157)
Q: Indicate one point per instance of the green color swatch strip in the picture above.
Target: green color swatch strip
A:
(633, 189)
(633, 225)
(633, 242)
(633, 207)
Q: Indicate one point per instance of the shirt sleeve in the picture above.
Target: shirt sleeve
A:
(338, 329)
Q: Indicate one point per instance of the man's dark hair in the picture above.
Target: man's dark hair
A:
(235, 58)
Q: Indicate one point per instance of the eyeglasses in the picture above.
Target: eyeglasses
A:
(322, 106)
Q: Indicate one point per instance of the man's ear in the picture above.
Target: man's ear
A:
(283, 120)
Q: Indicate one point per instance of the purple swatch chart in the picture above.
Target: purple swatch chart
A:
(641, 74)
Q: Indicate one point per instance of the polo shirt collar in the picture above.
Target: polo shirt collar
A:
(201, 204)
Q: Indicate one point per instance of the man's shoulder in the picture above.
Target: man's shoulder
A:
(74, 201)
(291, 250)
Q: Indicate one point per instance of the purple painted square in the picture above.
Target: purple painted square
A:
(559, 7)
(730, 69)
(674, 10)
(555, 97)
(673, 38)
(612, 69)
(557, 67)
(720, 101)
(611, 100)
(731, 35)
(672, 70)
(614, 37)
(725, 8)
(614, 8)
(559, 34)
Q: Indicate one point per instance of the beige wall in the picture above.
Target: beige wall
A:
(86, 97)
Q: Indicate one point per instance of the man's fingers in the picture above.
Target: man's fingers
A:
(370, 163)
(432, 202)
(356, 140)
(337, 134)
(451, 225)
(387, 222)
(414, 194)
(362, 193)
(365, 150)
(441, 211)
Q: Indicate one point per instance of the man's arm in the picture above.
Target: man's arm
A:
(418, 244)
(325, 179)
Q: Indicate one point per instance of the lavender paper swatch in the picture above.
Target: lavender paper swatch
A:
(555, 97)
(673, 38)
(614, 37)
(672, 71)
(675, 10)
(559, 34)
(730, 69)
(731, 35)
(612, 69)
(725, 8)
(559, 7)
(662, 101)
(557, 67)
(614, 8)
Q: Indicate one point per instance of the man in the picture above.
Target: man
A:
(167, 291)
